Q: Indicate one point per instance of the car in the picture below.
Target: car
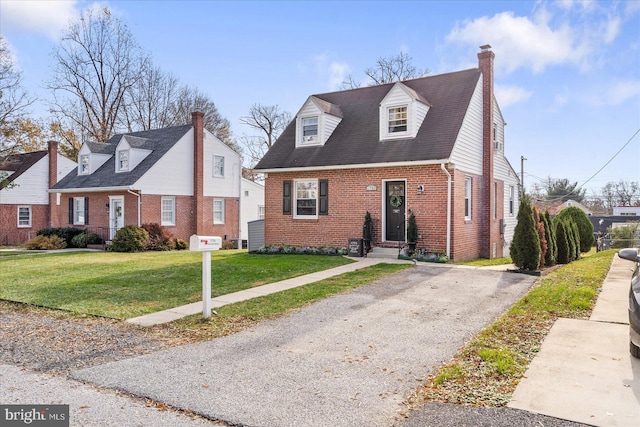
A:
(631, 254)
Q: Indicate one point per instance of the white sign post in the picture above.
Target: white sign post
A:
(205, 244)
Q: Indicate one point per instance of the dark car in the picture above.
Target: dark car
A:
(634, 301)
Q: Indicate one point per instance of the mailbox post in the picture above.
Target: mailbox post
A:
(205, 244)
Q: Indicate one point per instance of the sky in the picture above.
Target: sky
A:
(567, 73)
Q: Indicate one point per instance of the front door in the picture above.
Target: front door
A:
(395, 211)
(116, 215)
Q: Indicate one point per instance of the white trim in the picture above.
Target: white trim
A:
(214, 174)
(78, 214)
(357, 166)
(90, 189)
(221, 201)
(116, 222)
(294, 203)
(469, 216)
(28, 207)
(119, 161)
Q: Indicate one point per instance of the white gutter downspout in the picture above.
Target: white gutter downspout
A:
(138, 196)
(444, 169)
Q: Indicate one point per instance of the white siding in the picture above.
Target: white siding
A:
(229, 185)
(173, 173)
(249, 204)
(505, 173)
(467, 151)
(310, 109)
(329, 125)
(137, 155)
(31, 187)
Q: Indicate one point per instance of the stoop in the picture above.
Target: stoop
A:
(388, 253)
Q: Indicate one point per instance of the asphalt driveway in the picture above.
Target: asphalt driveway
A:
(349, 360)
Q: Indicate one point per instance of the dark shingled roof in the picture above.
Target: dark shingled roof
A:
(159, 141)
(356, 139)
(20, 163)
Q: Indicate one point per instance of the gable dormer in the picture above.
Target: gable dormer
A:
(316, 121)
(91, 156)
(129, 153)
(402, 112)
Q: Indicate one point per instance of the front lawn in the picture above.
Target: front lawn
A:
(125, 285)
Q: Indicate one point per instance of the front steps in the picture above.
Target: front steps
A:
(388, 253)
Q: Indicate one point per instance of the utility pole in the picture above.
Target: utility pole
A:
(522, 159)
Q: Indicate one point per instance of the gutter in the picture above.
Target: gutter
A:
(444, 169)
(139, 213)
(89, 189)
(354, 166)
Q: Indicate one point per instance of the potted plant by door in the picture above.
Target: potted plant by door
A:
(412, 233)
(367, 232)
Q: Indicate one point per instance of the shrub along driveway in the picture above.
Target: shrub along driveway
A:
(347, 360)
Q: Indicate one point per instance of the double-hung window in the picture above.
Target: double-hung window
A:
(218, 166)
(309, 130)
(24, 216)
(218, 211)
(79, 211)
(168, 211)
(123, 160)
(306, 198)
(84, 164)
(398, 119)
(467, 198)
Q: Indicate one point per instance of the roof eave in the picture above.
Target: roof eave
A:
(355, 166)
(91, 189)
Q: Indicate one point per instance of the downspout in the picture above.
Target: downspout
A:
(444, 169)
(240, 207)
(138, 196)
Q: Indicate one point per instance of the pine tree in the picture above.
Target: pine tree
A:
(563, 243)
(582, 221)
(550, 234)
(525, 246)
(541, 236)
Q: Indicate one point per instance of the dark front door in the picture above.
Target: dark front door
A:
(395, 210)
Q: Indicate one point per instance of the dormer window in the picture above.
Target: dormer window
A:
(84, 164)
(309, 130)
(398, 119)
(123, 160)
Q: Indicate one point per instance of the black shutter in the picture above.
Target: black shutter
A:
(70, 210)
(324, 197)
(86, 210)
(286, 197)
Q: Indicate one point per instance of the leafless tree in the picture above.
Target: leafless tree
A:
(149, 103)
(388, 70)
(14, 100)
(270, 121)
(96, 62)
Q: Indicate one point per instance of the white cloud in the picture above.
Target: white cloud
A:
(521, 41)
(337, 74)
(48, 17)
(621, 91)
(509, 95)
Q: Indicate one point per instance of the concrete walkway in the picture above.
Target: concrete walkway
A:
(584, 371)
(172, 314)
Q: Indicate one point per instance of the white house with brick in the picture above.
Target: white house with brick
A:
(431, 146)
(24, 199)
(182, 177)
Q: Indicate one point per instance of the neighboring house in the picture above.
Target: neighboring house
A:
(251, 205)
(555, 206)
(431, 146)
(24, 200)
(181, 177)
(626, 210)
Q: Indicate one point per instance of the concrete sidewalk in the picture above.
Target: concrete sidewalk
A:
(584, 371)
(172, 314)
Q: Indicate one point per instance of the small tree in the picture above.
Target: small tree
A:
(412, 229)
(582, 221)
(540, 228)
(367, 231)
(562, 240)
(550, 234)
(130, 239)
(525, 246)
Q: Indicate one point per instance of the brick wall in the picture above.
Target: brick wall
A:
(10, 234)
(349, 199)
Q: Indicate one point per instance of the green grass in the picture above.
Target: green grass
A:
(234, 317)
(486, 262)
(125, 285)
(487, 370)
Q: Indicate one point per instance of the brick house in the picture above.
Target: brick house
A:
(432, 146)
(24, 200)
(181, 177)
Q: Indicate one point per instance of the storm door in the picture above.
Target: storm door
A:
(395, 211)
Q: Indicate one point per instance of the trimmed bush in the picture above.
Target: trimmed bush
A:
(84, 239)
(66, 233)
(551, 255)
(562, 240)
(542, 236)
(160, 239)
(46, 243)
(525, 246)
(130, 239)
(180, 244)
(585, 227)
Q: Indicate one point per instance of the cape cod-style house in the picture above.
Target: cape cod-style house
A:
(432, 146)
(181, 177)
(24, 199)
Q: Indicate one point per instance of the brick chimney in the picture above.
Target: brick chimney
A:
(52, 148)
(197, 118)
(490, 232)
